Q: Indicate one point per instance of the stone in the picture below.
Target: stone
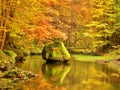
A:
(55, 52)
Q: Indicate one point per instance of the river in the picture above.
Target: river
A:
(74, 75)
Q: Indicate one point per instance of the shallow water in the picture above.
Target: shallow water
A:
(74, 75)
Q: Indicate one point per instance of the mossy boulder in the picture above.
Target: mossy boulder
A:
(55, 52)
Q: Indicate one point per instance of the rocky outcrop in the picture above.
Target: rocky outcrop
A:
(55, 52)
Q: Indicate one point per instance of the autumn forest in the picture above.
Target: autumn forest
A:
(88, 29)
(91, 24)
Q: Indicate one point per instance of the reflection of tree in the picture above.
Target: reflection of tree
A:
(55, 73)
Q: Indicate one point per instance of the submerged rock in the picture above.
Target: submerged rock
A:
(55, 52)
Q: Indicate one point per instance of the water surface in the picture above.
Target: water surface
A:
(74, 75)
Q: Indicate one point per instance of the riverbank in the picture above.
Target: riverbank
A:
(111, 59)
(9, 77)
(9, 74)
(90, 58)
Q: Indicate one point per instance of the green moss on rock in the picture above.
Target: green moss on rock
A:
(56, 51)
(10, 53)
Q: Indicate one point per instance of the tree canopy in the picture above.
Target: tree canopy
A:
(82, 23)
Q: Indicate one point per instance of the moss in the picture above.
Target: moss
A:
(64, 50)
(55, 51)
(10, 53)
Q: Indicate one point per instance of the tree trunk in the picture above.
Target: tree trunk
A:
(5, 13)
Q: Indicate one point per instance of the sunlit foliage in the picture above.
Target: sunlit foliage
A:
(86, 23)
(102, 26)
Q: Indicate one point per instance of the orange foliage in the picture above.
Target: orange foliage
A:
(44, 32)
(83, 8)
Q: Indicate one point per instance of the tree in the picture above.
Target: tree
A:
(67, 18)
(19, 23)
(115, 38)
(102, 25)
(5, 11)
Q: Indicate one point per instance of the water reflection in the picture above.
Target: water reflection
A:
(73, 76)
(55, 73)
(92, 76)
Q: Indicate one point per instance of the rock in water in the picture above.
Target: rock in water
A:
(55, 52)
